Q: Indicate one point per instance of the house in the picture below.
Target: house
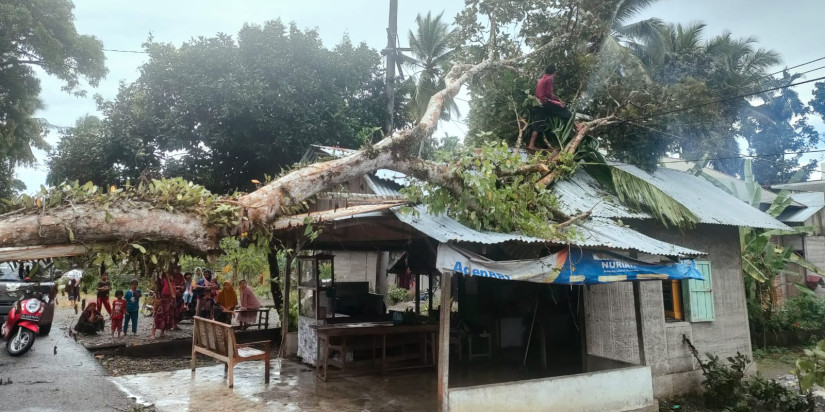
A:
(562, 331)
(807, 208)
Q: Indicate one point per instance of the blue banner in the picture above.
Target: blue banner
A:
(590, 267)
(571, 266)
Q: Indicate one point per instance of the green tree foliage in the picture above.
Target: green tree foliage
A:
(37, 34)
(776, 126)
(223, 110)
(818, 102)
(83, 154)
(432, 53)
(672, 86)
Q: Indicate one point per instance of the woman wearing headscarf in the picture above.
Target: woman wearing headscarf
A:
(249, 302)
(164, 305)
(227, 300)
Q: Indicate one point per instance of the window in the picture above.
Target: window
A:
(691, 299)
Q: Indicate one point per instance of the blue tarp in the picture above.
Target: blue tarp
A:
(570, 266)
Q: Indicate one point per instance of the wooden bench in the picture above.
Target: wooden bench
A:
(217, 340)
(263, 317)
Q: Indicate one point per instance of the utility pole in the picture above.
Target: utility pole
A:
(390, 53)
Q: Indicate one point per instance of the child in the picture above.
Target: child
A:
(118, 311)
(207, 304)
(132, 306)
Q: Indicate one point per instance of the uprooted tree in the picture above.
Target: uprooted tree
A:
(494, 188)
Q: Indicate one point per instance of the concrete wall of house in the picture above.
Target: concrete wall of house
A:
(627, 389)
(355, 266)
(610, 319)
(815, 250)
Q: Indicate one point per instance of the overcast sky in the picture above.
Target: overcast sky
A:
(797, 32)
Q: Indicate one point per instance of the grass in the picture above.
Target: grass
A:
(776, 361)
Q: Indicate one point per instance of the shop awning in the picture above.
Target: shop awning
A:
(570, 266)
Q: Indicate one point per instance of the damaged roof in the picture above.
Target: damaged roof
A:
(813, 202)
(597, 232)
(709, 203)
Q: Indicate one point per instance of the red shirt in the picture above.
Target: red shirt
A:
(544, 90)
(118, 308)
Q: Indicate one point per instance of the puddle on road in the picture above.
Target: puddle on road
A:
(292, 387)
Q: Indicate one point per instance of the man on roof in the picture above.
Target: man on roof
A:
(551, 106)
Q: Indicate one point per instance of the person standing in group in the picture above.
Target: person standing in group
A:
(132, 299)
(206, 305)
(205, 283)
(180, 287)
(249, 305)
(188, 296)
(118, 312)
(164, 305)
(74, 276)
(227, 300)
(103, 288)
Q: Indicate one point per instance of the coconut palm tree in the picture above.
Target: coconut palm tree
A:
(431, 54)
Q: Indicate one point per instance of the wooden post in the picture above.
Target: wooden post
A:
(444, 344)
(285, 311)
(640, 335)
(417, 293)
(430, 296)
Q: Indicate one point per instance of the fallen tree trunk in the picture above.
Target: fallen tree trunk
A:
(91, 224)
(122, 222)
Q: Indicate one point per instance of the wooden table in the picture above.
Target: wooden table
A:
(378, 331)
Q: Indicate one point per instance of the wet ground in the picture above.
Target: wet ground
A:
(68, 380)
(142, 337)
(293, 387)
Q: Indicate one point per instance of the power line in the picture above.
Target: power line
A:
(798, 65)
(739, 96)
(748, 156)
(126, 51)
(738, 156)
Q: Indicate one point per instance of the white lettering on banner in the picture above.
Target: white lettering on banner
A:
(614, 264)
(476, 272)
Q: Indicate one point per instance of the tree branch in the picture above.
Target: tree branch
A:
(574, 219)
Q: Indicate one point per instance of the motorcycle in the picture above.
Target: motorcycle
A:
(23, 322)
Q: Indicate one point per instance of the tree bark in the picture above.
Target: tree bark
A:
(134, 222)
(275, 278)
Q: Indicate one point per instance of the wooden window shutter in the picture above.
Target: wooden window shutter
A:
(698, 295)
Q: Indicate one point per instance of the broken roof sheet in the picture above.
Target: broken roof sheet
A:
(287, 222)
(709, 203)
(597, 232)
(813, 202)
(581, 193)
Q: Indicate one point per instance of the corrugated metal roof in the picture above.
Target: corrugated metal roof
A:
(809, 186)
(598, 232)
(709, 203)
(728, 180)
(581, 193)
(329, 215)
(383, 187)
(607, 233)
(814, 202)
